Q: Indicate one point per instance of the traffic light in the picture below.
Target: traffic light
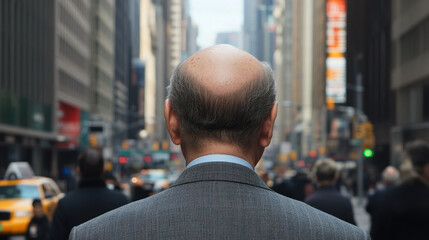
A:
(147, 159)
(93, 140)
(330, 103)
(155, 146)
(367, 152)
(164, 144)
(313, 153)
(123, 160)
(293, 155)
(125, 144)
(358, 131)
(369, 138)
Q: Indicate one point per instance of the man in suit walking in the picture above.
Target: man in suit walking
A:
(327, 198)
(404, 209)
(91, 199)
(390, 177)
(220, 109)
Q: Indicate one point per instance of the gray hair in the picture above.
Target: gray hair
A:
(234, 118)
(325, 169)
(390, 175)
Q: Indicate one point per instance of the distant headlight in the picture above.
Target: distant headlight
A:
(22, 213)
(134, 180)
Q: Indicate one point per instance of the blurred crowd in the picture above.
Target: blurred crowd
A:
(398, 204)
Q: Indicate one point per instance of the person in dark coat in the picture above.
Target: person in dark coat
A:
(91, 199)
(327, 198)
(390, 177)
(39, 226)
(404, 212)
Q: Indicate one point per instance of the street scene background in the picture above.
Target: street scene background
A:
(351, 77)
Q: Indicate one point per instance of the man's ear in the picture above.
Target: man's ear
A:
(172, 123)
(267, 127)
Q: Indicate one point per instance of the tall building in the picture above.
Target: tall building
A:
(161, 76)
(72, 55)
(134, 16)
(299, 68)
(102, 59)
(250, 27)
(189, 32)
(318, 94)
(135, 118)
(409, 72)
(283, 13)
(232, 38)
(122, 71)
(102, 75)
(154, 54)
(369, 70)
(27, 83)
(259, 29)
(173, 34)
(148, 55)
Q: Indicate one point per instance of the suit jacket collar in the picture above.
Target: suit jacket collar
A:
(220, 171)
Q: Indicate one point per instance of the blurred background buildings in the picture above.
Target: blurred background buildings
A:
(351, 75)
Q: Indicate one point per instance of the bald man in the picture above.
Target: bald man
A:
(220, 109)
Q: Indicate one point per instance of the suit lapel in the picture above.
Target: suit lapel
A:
(220, 171)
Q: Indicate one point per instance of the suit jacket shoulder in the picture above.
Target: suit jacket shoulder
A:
(217, 201)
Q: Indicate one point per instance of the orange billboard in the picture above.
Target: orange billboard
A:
(336, 11)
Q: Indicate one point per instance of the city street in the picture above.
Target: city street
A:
(128, 82)
(361, 216)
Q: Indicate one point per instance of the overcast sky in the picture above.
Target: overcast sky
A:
(213, 16)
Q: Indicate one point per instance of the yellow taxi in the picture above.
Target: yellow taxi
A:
(16, 198)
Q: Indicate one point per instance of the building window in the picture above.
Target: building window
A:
(410, 44)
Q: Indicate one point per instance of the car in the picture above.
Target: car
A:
(18, 170)
(16, 198)
(148, 182)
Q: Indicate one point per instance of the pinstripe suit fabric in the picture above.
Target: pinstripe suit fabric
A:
(217, 201)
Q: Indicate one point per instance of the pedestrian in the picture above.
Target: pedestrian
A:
(302, 186)
(91, 199)
(220, 109)
(327, 198)
(390, 178)
(39, 226)
(404, 209)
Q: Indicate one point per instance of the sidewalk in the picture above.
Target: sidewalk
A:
(362, 218)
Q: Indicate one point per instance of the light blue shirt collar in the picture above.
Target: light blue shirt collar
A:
(220, 158)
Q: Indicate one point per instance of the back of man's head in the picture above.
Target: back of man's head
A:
(390, 175)
(418, 152)
(90, 164)
(222, 94)
(325, 171)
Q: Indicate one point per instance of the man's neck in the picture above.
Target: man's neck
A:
(214, 147)
(325, 183)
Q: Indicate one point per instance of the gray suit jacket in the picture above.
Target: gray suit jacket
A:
(217, 201)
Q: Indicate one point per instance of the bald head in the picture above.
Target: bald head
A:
(221, 93)
(390, 175)
(222, 69)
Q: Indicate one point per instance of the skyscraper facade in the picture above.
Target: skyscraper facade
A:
(27, 83)
(122, 70)
(409, 72)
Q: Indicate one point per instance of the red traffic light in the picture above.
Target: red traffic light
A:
(123, 160)
(313, 153)
(147, 159)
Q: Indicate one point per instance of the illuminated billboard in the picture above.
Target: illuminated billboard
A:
(336, 49)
